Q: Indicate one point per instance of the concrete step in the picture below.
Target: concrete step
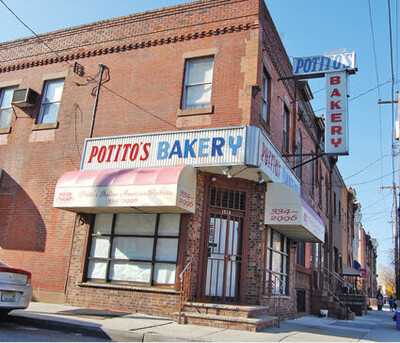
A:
(241, 311)
(228, 322)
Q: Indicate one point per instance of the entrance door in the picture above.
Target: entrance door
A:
(224, 248)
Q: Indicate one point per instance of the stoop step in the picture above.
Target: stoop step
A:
(228, 310)
(228, 322)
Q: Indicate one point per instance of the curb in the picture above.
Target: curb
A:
(54, 324)
(91, 329)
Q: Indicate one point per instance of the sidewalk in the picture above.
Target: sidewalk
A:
(117, 326)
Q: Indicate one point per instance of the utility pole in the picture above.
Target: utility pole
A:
(394, 188)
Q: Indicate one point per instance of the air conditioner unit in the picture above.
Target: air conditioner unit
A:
(24, 97)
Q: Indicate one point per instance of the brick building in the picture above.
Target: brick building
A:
(166, 163)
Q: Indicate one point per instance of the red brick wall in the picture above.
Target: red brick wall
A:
(145, 54)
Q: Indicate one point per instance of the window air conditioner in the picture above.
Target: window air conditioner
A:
(24, 97)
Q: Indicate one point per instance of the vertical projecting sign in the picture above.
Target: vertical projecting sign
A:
(335, 68)
(336, 122)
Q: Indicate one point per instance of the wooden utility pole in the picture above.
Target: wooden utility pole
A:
(394, 188)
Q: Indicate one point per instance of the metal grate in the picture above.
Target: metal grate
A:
(227, 199)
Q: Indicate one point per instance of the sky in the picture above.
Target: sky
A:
(306, 28)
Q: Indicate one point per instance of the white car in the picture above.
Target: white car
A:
(15, 289)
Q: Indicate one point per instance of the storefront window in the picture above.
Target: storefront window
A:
(139, 248)
(276, 275)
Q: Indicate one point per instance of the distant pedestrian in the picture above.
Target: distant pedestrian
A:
(392, 303)
(379, 299)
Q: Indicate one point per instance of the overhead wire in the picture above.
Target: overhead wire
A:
(89, 77)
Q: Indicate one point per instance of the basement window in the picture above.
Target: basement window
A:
(134, 248)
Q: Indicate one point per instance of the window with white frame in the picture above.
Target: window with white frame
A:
(198, 82)
(134, 248)
(277, 260)
(265, 97)
(6, 111)
(51, 99)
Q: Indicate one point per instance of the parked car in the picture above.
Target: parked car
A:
(15, 289)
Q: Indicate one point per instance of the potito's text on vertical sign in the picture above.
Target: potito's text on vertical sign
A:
(336, 123)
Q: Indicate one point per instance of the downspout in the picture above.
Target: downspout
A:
(102, 68)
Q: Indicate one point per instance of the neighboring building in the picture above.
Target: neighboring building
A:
(189, 174)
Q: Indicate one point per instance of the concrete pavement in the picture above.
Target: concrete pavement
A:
(376, 326)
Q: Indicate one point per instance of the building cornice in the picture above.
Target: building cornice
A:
(61, 57)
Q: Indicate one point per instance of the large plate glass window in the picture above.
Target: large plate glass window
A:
(6, 110)
(198, 82)
(138, 248)
(276, 273)
(51, 99)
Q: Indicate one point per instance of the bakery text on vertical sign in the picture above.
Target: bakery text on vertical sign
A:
(336, 123)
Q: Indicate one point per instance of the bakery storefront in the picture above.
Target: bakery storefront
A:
(150, 208)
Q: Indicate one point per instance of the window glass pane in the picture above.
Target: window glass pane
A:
(134, 248)
(135, 224)
(265, 90)
(6, 95)
(276, 262)
(200, 70)
(100, 247)
(164, 273)
(264, 111)
(198, 96)
(48, 113)
(167, 249)
(285, 245)
(102, 223)
(132, 271)
(276, 241)
(97, 270)
(169, 225)
(53, 91)
(284, 265)
(5, 117)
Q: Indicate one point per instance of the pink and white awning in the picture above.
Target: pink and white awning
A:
(288, 213)
(158, 190)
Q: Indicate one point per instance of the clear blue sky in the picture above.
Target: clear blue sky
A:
(306, 28)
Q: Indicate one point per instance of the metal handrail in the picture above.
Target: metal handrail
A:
(185, 287)
(277, 297)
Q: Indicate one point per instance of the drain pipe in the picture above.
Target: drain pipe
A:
(102, 68)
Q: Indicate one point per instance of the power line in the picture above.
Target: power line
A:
(365, 168)
(90, 77)
(360, 94)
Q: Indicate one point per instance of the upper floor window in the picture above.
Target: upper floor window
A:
(266, 97)
(286, 126)
(313, 176)
(51, 99)
(298, 153)
(301, 253)
(198, 82)
(6, 110)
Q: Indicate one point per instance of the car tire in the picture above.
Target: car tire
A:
(4, 314)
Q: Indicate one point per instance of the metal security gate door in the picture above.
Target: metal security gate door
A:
(224, 253)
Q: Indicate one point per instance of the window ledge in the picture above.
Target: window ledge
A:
(129, 288)
(195, 111)
(48, 126)
(5, 130)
